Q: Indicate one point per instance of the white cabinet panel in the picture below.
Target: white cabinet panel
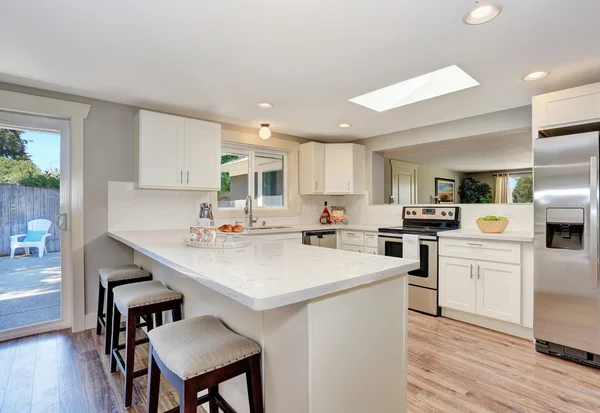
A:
(457, 284)
(371, 239)
(312, 168)
(355, 248)
(507, 252)
(353, 237)
(202, 155)
(160, 150)
(370, 250)
(338, 169)
(571, 106)
(499, 291)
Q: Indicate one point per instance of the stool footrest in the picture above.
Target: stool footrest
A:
(201, 400)
(223, 405)
(137, 343)
(121, 366)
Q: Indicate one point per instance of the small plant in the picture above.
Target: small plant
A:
(474, 192)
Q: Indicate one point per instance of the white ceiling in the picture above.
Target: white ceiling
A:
(493, 152)
(218, 58)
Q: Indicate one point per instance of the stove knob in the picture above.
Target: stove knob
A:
(407, 213)
(414, 212)
(444, 214)
(450, 213)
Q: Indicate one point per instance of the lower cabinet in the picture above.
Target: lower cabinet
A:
(359, 241)
(489, 289)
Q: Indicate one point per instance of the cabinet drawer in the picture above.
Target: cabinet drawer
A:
(371, 239)
(354, 248)
(370, 250)
(504, 252)
(353, 238)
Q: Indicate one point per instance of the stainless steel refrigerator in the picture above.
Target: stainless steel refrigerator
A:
(567, 300)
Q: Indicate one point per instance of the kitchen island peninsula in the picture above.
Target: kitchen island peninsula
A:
(332, 323)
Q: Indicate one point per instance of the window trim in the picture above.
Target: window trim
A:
(251, 151)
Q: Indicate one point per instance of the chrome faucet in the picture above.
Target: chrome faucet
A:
(248, 211)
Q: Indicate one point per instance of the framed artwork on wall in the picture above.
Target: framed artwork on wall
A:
(445, 190)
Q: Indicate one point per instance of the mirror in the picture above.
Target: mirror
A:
(478, 169)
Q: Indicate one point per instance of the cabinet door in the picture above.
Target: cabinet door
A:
(458, 285)
(312, 168)
(370, 250)
(338, 168)
(576, 105)
(354, 248)
(202, 155)
(499, 291)
(161, 147)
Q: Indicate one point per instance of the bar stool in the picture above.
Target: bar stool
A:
(142, 299)
(108, 279)
(197, 354)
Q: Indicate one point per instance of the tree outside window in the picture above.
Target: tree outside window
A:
(521, 186)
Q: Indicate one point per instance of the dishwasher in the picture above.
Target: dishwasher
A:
(320, 238)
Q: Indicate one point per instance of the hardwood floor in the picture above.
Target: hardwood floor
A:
(453, 367)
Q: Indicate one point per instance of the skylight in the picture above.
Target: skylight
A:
(440, 82)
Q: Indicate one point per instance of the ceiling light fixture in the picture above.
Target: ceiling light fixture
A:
(481, 13)
(265, 105)
(344, 125)
(430, 85)
(264, 132)
(530, 77)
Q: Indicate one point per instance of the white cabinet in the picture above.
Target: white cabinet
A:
(457, 286)
(291, 238)
(567, 107)
(173, 152)
(337, 168)
(344, 168)
(354, 248)
(312, 168)
(353, 237)
(358, 241)
(499, 291)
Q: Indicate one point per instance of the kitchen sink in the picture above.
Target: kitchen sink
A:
(262, 228)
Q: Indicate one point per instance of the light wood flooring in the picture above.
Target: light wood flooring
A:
(453, 367)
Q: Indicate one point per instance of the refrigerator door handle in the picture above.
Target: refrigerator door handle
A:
(594, 219)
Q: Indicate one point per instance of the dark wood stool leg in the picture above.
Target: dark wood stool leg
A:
(212, 402)
(109, 319)
(149, 322)
(114, 335)
(100, 311)
(188, 398)
(129, 356)
(177, 311)
(254, 385)
(158, 317)
(153, 383)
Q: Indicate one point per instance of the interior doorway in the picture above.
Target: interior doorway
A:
(34, 201)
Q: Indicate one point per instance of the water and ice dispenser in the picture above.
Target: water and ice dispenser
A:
(564, 228)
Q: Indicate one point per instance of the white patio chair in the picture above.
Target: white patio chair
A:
(37, 232)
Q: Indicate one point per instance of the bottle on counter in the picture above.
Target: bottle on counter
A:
(325, 216)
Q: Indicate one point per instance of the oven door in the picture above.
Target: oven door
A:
(427, 275)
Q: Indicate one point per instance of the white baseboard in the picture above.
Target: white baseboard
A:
(90, 321)
(489, 323)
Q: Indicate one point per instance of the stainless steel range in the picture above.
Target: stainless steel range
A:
(426, 222)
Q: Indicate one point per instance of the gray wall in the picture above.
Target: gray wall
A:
(108, 154)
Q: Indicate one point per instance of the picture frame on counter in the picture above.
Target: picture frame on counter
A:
(445, 190)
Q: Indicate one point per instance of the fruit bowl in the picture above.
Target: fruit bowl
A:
(492, 227)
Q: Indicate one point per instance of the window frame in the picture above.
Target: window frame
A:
(251, 152)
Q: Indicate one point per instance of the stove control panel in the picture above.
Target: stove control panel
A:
(431, 213)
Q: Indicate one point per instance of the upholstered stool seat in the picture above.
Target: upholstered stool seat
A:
(202, 344)
(142, 299)
(198, 354)
(108, 279)
(123, 272)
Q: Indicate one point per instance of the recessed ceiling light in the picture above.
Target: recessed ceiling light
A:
(530, 77)
(344, 125)
(482, 13)
(265, 105)
(440, 82)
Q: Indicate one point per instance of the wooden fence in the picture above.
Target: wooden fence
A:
(21, 204)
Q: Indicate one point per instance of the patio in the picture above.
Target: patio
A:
(29, 290)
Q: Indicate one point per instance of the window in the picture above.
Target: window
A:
(245, 170)
(521, 188)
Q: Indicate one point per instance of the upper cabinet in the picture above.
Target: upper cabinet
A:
(337, 168)
(567, 107)
(173, 152)
(312, 168)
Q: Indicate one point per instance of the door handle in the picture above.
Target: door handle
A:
(478, 271)
(474, 245)
(348, 186)
(594, 219)
(316, 186)
(181, 177)
(188, 177)
(471, 272)
(61, 223)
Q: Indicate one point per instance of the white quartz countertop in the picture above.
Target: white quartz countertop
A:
(313, 227)
(266, 275)
(516, 236)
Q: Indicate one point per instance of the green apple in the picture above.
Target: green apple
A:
(502, 219)
(490, 218)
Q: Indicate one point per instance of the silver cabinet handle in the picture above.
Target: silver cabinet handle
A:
(478, 271)
(181, 177)
(188, 177)
(471, 270)
(348, 185)
(475, 245)
(316, 186)
(594, 219)
(351, 234)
